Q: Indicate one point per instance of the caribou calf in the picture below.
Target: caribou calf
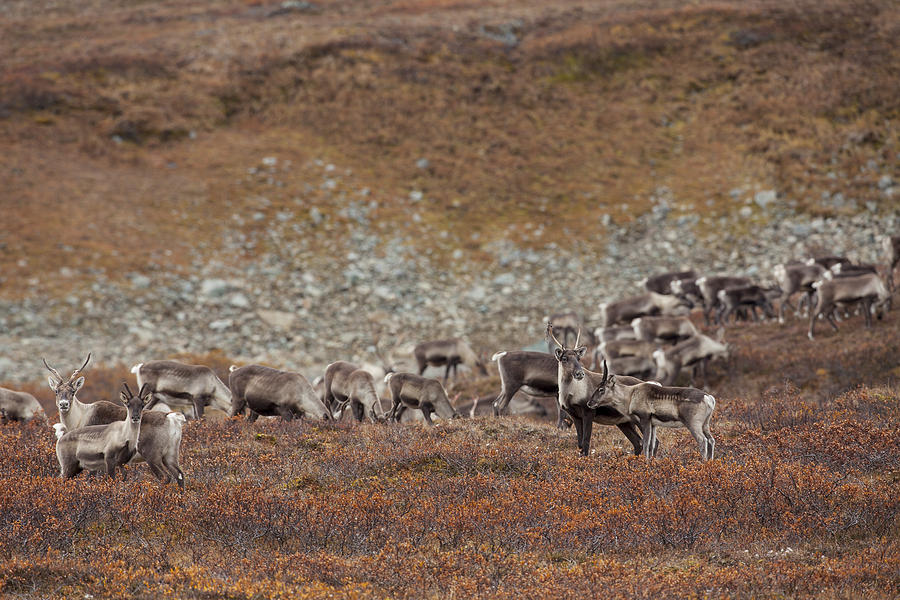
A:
(650, 303)
(452, 353)
(19, 406)
(414, 391)
(273, 393)
(748, 296)
(347, 384)
(696, 351)
(183, 386)
(867, 289)
(103, 447)
(652, 406)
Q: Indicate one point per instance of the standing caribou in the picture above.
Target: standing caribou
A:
(891, 244)
(793, 278)
(710, 287)
(270, 392)
(695, 351)
(662, 283)
(452, 353)
(183, 386)
(650, 303)
(650, 406)
(414, 391)
(159, 441)
(533, 372)
(868, 289)
(576, 386)
(347, 384)
(19, 406)
(103, 447)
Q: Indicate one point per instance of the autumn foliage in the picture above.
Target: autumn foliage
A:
(801, 501)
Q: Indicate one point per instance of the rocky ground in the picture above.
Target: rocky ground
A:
(299, 305)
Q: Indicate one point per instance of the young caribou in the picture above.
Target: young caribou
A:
(576, 386)
(414, 391)
(103, 447)
(651, 406)
(347, 384)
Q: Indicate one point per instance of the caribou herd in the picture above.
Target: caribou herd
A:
(642, 345)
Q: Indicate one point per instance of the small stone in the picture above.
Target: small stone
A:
(884, 182)
(140, 281)
(423, 163)
(221, 324)
(239, 301)
(765, 198)
(316, 215)
(746, 212)
(269, 161)
(276, 318)
(416, 195)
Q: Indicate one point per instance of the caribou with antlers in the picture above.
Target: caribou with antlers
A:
(576, 385)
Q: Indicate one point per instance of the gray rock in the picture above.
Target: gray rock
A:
(221, 324)
(277, 319)
(239, 301)
(141, 282)
(884, 182)
(765, 198)
(214, 288)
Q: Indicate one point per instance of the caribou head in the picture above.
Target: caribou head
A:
(569, 358)
(66, 388)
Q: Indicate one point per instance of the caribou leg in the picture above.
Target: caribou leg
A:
(631, 432)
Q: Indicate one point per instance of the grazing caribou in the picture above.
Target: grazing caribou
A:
(414, 391)
(651, 303)
(826, 262)
(662, 283)
(651, 406)
(696, 351)
(709, 289)
(665, 330)
(19, 406)
(868, 289)
(347, 384)
(452, 353)
(747, 296)
(159, 440)
(103, 447)
(793, 278)
(688, 290)
(576, 386)
(183, 386)
(273, 393)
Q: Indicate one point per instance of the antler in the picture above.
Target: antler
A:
(52, 370)
(127, 389)
(577, 337)
(78, 371)
(553, 337)
(605, 373)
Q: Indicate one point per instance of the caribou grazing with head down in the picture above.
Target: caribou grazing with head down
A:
(662, 283)
(696, 351)
(19, 406)
(347, 384)
(793, 278)
(452, 353)
(651, 405)
(414, 391)
(159, 441)
(664, 330)
(651, 303)
(709, 289)
(747, 296)
(183, 386)
(868, 289)
(576, 385)
(271, 392)
(102, 447)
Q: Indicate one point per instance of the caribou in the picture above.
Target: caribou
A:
(409, 390)
(867, 289)
(688, 290)
(19, 406)
(182, 386)
(793, 278)
(650, 303)
(347, 384)
(662, 283)
(667, 330)
(568, 323)
(273, 393)
(891, 244)
(452, 353)
(576, 385)
(615, 332)
(532, 372)
(696, 351)
(159, 441)
(826, 262)
(709, 289)
(651, 405)
(103, 447)
(747, 296)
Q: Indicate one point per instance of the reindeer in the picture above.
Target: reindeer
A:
(666, 330)
(566, 323)
(650, 303)
(576, 385)
(662, 283)
(346, 383)
(709, 289)
(159, 441)
(273, 393)
(688, 290)
(452, 352)
(652, 406)
(619, 348)
(793, 278)
(867, 289)
(752, 296)
(615, 332)
(533, 372)
(826, 262)
(183, 386)
(19, 406)
(843, 270)
(696, 351)
(98, 447)
(414, 391)
(891, 245)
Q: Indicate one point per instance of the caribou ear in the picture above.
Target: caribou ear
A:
(579, 352)
(559, 353)
(124, 398)
(78, 383)
(51, 380)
